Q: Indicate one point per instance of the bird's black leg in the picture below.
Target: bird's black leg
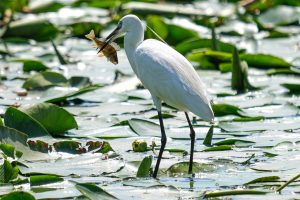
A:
(163, 143)
(192, 136)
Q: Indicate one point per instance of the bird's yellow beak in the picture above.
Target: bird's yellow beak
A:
(111, 37)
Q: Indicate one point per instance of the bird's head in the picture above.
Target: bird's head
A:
(126, 24)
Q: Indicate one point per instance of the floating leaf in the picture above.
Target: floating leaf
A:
(264, 61)
(44, 179)
(178, 34)
(32, 65)
(218, 148)
(208, 137)
(144, 168)
(38, 145)
(263, 179)
(271, 17)
(258, 126)
(248, 119)
(73, 94)
(183, 167)
(8, 172)
(69, 147)
(233, 192)
(282, 71)
(55, 119)
(93, 192)
(225, 109)
(105, 148)
(10, 151)
(19, 195)
(37, 29)
(157, 24)
(44, 80)
(87, 164)
(23, 122)
(45, 6)
(79, 81)
(191, 44)
(164, 116)
(19, 141)
(232, 142)
(292, 87)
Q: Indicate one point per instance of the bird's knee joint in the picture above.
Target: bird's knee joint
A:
(193, 135)
(163, 140)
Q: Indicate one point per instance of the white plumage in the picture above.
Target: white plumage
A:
(167, 74)
(171, 78)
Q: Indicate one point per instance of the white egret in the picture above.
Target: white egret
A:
(167, 74)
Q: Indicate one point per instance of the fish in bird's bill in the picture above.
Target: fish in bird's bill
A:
(110, 51)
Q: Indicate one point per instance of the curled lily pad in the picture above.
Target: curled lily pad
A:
(94, 192)
(8, 172)
(44, 179)
(234, 192)
(263, 179)
(144, 168)
(32, 65)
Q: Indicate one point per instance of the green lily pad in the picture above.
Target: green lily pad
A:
(192, 44)
(10, 151)
(292, 87)
(232, 142)
(64, 97)
(68, 166)
(225, 109)
(234, 192)
(8, 172)
(44, 80)
(79, 81)
(55, 119)
(32, 65)
(44, 179)
(144, 168)
(23, 122)
(258, 126)
(264, 61)
(219, 148)
(94, 192)
(182, 167)
(69, 147)
(264, 179)
(157, 24)
(18, 195)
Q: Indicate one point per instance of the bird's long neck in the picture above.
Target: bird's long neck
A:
(133, 38)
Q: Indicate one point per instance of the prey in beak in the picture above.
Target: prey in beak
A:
(111, 37)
